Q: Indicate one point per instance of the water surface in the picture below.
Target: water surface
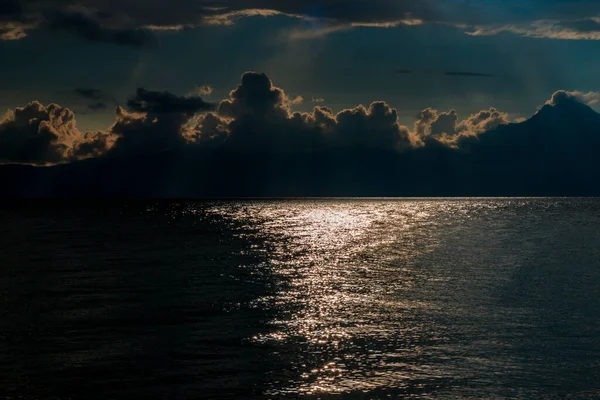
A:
(379, 298)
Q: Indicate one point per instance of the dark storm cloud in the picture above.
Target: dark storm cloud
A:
(13, 21)
(153, 102)
(129, 21)
(139, 133)
(31, 133)
(41, 134)
(258, 114)
(10, 8)
(88, 28)
(155, 121)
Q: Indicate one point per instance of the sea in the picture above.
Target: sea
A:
(474, 298)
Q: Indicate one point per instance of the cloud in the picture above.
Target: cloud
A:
(376, 126)
(41, 134)
(98, 99)
(297, 100)
(559, 96)
(13, 24)
(255, 96)
(141, 133)
(10, 8)
(130, 22)
(91, 24)
(578, 29)
(12, 31)
(257, 115)
(205, 90)
(211, 130)
(153, 102)
(445, 127)
(445, 123)
(155, 121)
(93, 145)
(318, 100)
(482, 121)
(88, 28)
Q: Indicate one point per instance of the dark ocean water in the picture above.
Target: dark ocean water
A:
(357, 299)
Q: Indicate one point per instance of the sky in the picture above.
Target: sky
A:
(87, 68)
(325, 59)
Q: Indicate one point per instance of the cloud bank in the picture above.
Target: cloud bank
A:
(253, 143)
(255, 116)
(42, 135)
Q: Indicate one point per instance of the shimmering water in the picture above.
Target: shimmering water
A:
(429, 299)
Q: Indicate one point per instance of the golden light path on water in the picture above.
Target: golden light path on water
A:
(420, 298)
(346, 264)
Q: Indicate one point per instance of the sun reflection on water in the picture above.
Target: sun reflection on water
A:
(367, 291)
(395, 298)
(345, 266)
